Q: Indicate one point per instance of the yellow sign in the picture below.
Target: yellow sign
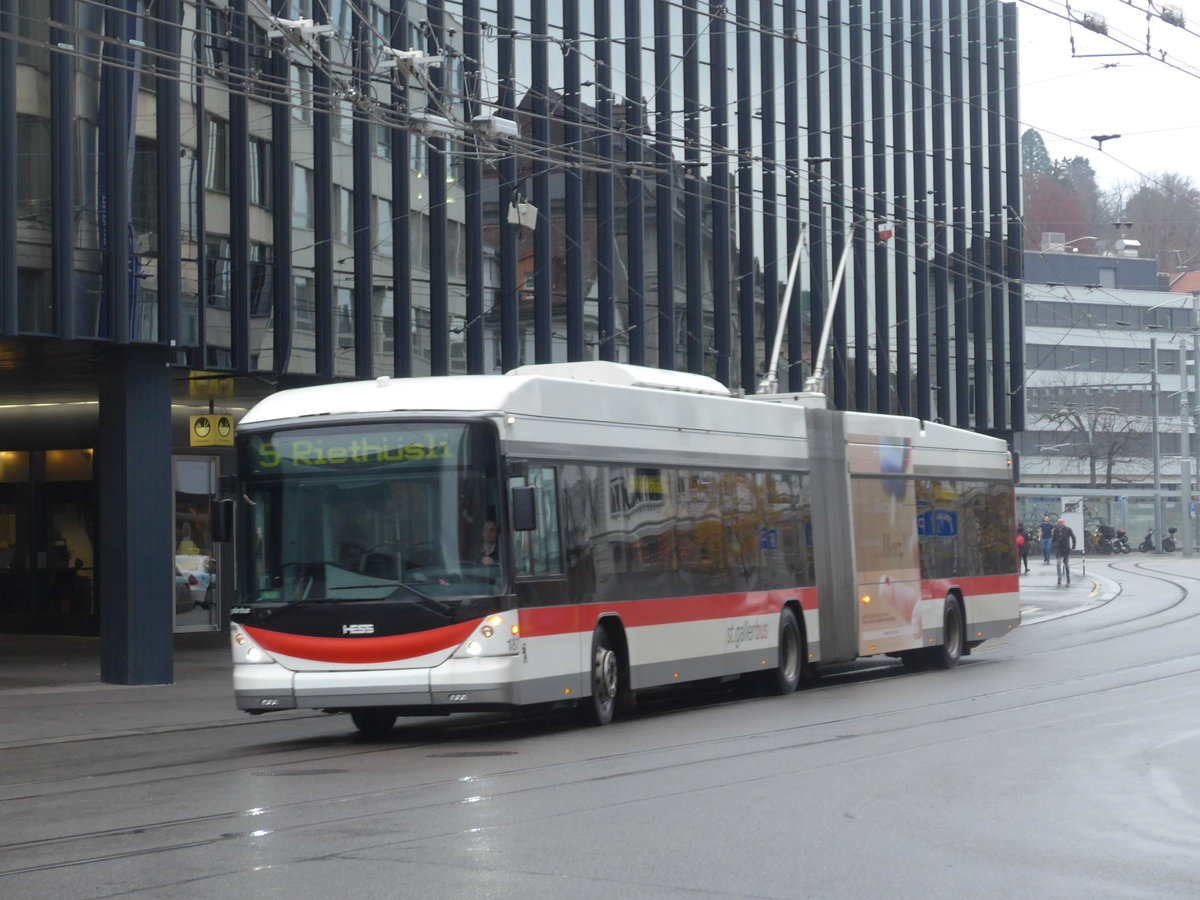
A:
(212, 430)
(201, 384)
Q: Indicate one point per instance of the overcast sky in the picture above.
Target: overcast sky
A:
(1070, 97)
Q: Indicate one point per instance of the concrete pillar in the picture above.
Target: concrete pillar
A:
(136, 588)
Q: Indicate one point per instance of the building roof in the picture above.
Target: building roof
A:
(1185, 283)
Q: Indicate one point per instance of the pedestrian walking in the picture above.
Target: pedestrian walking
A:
(1023, 540)
(1063, 538)
(1047, 532)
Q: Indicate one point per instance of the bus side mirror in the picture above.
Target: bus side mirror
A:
(222, 521)
(524, 509)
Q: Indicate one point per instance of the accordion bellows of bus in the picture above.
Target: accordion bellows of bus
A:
(581, 532)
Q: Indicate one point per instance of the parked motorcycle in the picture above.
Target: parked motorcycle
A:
(1147, 543)
(1121, 543)
(1169, 541)
(1102, 541)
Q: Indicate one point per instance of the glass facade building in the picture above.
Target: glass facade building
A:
(286, 191)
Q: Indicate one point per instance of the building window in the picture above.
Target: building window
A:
(421, 338)
(144, 304)
(35, 301)
(33, 168)
(302, 93)
(382, 213)
(34, 31)
(143, 209)
(262, 278)
(303, 302)
(260, 173)
(216, 175)
(342, 15)
(217, 267)
(343, 214)
(342, 121)
(381, 314)
(454, 81)
(383, 140)
(217, 40)
(302, 194)
(418, 240)
(418, 154)
(344, 315)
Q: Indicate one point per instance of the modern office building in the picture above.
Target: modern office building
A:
(1107, 351)
(1111, 389)
(202, 201)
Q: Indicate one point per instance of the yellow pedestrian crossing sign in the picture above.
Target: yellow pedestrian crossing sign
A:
(212, 430)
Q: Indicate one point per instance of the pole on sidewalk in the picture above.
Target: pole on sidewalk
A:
(1185, 456)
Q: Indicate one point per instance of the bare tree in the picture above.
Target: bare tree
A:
(1100, 437)
(1165, 212)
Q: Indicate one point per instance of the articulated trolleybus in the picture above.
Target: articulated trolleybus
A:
(583, 532)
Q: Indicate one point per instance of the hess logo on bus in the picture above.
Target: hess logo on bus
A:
(366, 628)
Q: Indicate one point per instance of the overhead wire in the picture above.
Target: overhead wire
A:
(603, 162)
(199, 35)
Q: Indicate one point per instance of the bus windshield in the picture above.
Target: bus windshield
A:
(397, 511)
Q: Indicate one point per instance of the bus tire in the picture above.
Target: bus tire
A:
(954, 632)
(373, 723)
(786, 677)
(605, 675)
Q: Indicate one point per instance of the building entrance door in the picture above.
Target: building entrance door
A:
(197, 558)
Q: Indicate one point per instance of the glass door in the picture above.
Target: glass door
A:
(197, 565)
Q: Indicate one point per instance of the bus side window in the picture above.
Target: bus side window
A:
(539, 552)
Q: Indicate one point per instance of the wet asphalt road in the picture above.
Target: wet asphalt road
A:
(1058, 762)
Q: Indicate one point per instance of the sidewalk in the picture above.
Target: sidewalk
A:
(50, 691)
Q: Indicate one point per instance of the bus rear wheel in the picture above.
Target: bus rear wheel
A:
(786, 678)
(605, 679)
(954, 632)
(373, 723)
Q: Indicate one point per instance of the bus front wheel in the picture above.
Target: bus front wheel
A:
(373, 723)
(605, 679)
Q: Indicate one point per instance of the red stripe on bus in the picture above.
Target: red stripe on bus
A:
(364, 649)
(972, 585)
(538, 622)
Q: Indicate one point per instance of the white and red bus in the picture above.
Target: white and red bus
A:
(649, 529)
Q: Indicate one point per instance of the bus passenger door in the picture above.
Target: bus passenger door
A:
(550, 627)
(888, 570)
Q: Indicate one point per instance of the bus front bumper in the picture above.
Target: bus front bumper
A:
(476, 683)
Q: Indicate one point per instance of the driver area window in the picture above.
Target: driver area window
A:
(539, 552)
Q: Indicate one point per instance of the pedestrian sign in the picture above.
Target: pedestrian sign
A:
(211, 430)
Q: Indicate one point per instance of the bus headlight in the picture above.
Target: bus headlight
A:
(496, 635)
(245, 651)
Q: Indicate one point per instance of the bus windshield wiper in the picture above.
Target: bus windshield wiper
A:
(426, 600)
